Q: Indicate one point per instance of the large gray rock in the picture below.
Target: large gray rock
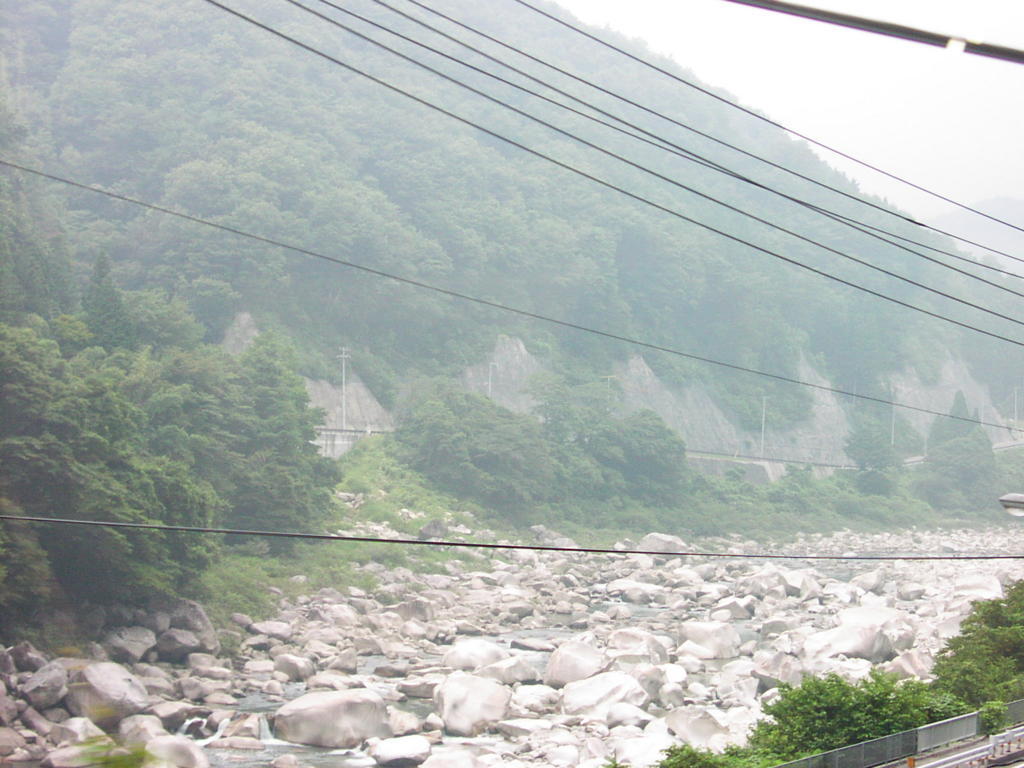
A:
(401, 752)
(127, 645)
(418, 608)
(661, 542)
(8, 709)
(535, 699)
(573, 661)
(47, 686)
(594, 696)
(469, 704)
(874, 633)
(26, 658)
(872, 581)
(296, 667)
(699, 727)
(915, 663)
(720, 639)
(139, 729)
(106, 693)
(73, 756)
(978, 586)
(188, 614)
(10, 741)
(75, 730)
(514, 669)
(179, 751)
(457, 757)
(637, 645)
(176, 644)
(773, 669)
(343, 719)
(279, 630)
(473, 653)
(173, 714)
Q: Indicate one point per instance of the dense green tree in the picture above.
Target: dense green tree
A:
(985, 662)
(34, 265)
(649, 457)
(281, 483)
(828, 712)
(475, 448)
(960, 473)
(870, 447)
(944, 430)
(105, 312)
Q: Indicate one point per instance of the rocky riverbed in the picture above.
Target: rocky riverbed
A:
(527, 658)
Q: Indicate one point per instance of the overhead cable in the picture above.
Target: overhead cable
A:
(674, 182)
(888, 29)
(753, 113)
(486, 544)
(625, 192)
(488, 303)
(659, 142)
(710, 137)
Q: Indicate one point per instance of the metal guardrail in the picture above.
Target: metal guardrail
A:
(1006, 737)
(1015, 711)
(899, 745)
(962, 758)
(947, 731)
(866, 753)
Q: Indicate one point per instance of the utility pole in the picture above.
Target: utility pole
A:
(764, 406)
(490, 371)
(892, 420)
(344, 357)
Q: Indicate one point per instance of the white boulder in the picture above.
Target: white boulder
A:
(342, 719)
(717, 638)
(595, 695)
(473, 653)
(469, 704)
(701, 727)
(106, 693)
(572, 661)
(400, 752)
(661, 542)
(178, 751)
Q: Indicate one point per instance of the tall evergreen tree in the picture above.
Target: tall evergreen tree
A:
(105, 311)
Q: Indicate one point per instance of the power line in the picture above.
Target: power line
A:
(691, 129)
(656, 141)
(645, 169)
(622, 190)
(685, 126)
(487, 545)
(887, 28)
(487, 302)
(752, 113)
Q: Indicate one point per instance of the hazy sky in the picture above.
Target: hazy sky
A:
(950, 122)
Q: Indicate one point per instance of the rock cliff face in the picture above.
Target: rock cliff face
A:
(348, 415)
(361, 409)
(506, 375)
(240, 334)
(703, 425)
(907, 387)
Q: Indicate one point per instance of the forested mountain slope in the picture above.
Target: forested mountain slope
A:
(119, 400)
(186, 106)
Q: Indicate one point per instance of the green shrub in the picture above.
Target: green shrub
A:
(994, 717)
